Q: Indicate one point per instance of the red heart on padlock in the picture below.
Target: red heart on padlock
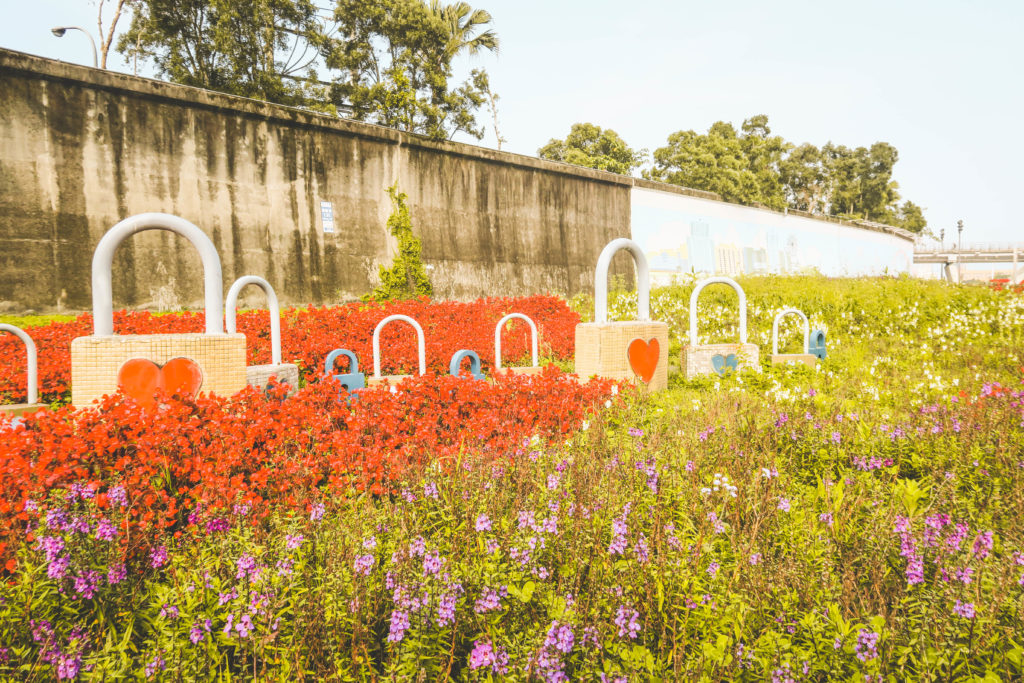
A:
(643, 357)
(141, 378)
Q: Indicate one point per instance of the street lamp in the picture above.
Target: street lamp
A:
(59, 31)
(959, 252)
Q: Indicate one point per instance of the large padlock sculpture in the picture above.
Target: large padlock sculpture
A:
(816, 346)
(353, 380)
(31, 376)
(625, 350)
(807, 358)
(534, 368)
(455, 366)
(259, 375)
(706, 359)
(420, 345)
(142, 364)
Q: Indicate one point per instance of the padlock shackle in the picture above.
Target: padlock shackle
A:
(775, 329)
(643, 279)
(421, 343)
(332, 357)
(103, 262)
(31, 364)
(693, 306)
(497, 337)
(455, 366)
(274, 308)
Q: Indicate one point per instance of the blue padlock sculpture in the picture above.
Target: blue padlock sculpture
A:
(817, 344)
(474, 363)
(353, 380)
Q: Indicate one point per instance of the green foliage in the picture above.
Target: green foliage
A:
(590, 146)
(264, 49)
(394, 64)
(406, 278)
(755, 167)
(742, 167)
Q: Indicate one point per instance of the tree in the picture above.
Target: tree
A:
(406, 278)
(742, 168)
(590, 146)
(107, 38)
(394, 59)
(804, 177)
(264, 49)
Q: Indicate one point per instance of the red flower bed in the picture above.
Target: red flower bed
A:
(266, 452)
(307, 336)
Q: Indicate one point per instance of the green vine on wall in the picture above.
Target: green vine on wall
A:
(406, 278)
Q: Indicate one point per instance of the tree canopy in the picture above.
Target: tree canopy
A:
(589, 145)
(752, 166)
(385, 61)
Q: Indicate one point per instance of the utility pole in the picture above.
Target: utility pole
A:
(959, 253)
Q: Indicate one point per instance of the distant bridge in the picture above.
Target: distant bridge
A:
(973, 253)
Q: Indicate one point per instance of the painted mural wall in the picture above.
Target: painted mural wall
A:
(682, 234)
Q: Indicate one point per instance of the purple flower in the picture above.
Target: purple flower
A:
(915, 570)
(364, 564)
(316, 513)
(784, 504)
(57, 518)
(490, 600)
(964, 609)
(118, 496)
(430, 490)
(983, 544)
(58, 568)
(284, 567)
(560, 637)
(485, 654)
(399, 625)
(368, 543)
(626, 620)
(754, 559)
(525, 519)
(825, 518)
(446, 606)
(244, 626)
(641, 549)
(154, 665)
(51, 545)
(712, 569)
(246, 567)
(196, 634)
(105, 530)
(483, 523)
(158, 557)
(866, 648)
(217, 524)
(417, 547)
(432, 563)
(86, 584)
(116, 573)
(68, 665)
(169, 611)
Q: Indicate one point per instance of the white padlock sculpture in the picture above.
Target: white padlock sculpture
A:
(142, 364)
(259, 375)
(807, 358)
(706, 359)
(32, 375)
(625, 350)
(420, 346)
(534, 368)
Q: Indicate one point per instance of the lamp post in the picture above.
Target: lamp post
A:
(59, 31)
(959, 253)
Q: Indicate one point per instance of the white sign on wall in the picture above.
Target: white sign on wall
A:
(327, 216)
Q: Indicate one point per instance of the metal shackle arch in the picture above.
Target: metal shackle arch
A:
(275, 311)
(775, 329)
(643, 279)
(421, 343)
(497, 337)
(31, 364)
(693, 306)
(332, 358)
(103, 261)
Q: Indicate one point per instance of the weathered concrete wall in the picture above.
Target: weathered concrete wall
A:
(81, 149)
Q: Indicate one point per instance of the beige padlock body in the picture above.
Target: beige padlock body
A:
(808, 359)
(286, 373)
(602, 350)
(372, 381)
(95, 361)
(696, 360)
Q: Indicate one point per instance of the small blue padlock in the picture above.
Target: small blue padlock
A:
(474, 363)
(353, 380)
(816, 346)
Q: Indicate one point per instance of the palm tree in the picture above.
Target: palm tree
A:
(462, 22)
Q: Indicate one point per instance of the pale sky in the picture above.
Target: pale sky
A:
(940, 80)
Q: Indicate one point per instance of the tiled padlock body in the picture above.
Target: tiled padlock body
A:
(601, 349)
(525, 370)
(697, 360)
(808, 359)
(286, 373)
(95, 361)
